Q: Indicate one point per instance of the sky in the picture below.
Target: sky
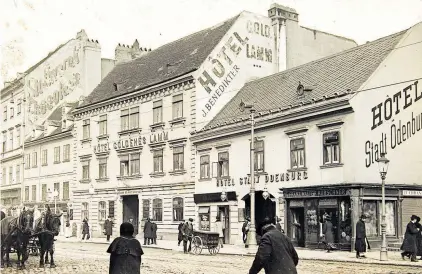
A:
(30, 29)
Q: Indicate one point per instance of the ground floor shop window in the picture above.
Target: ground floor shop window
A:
(204, 218)
(145, 209)
(373, 209)
(177, 209)
(85, 213)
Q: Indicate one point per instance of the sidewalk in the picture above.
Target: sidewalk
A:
(394, 258)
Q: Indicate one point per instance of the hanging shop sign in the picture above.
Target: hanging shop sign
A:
(316, 193)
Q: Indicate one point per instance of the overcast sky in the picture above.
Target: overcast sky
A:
(30, 29)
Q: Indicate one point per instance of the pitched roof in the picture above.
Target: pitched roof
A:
(338, 73)
(56, 115)
(162, 64)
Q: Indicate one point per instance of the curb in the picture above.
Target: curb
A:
(370, 261)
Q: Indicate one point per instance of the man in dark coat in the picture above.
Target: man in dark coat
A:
(180, 235)
(245, 230)
(154, 233)
(187, 232)
(360, 244)
(409, 243)
(276, 253)
(108, 228)
(85, 229)
(147, 232)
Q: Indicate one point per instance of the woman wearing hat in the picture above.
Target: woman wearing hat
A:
(327, 230)
(409, 246)
(361, 240)
(125, 252)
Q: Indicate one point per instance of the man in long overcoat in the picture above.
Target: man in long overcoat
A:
(108, 228)
(180, 235)
(360, 244)
(187, 231)
(154, 233)
(276, 253)
(409, 246)
(147, 232)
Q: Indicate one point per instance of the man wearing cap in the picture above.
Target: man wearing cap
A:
(245, 229)
(187, 231)
(409, 243)
(108, 228)
(361, 240)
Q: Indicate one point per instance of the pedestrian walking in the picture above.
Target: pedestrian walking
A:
(219, 229)
(245, 229)
(419, 237)
(85, 229)
(361, 240)
(125, 252)
(180, 235)
(327, 230)
(409, 246)
(187, 232)
(154, 233)
(147, 232)
(278, 225)
(108, 228)
(275, 254)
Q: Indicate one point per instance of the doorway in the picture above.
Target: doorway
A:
(224, 214)
(297, 225)
(264, 208)
(131, 211)
(333, 214)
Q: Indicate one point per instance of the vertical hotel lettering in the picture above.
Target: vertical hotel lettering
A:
(223, 70)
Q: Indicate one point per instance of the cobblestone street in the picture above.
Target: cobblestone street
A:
(91, 258)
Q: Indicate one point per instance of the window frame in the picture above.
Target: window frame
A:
(44, 192)
(34, 159)
(158, 155)
(331, 145)
(26, 193)
(259, 151)
(157, 112)
(206, 167)
(66, 191)
(178, 207)
(85, 210)
(11, 140)
(56, 187)
(18, 173)
(177, 105)
(86, 129)
(129, 114)
(146, 213)
(34, 191)
(66, 153)
(128, 160)
(44, 155)
(220, 164)
(11, 175)
(102, 211)
(294, 150)
(4, 142)
(102, 166)
(86, 164)
(155, 207)
(178, 158)
(57, 155)
(102, 125)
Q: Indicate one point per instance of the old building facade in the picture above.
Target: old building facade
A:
(319, 130)
(135, 158)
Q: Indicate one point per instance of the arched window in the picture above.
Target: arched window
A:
(177, 209)
(157, 209)
(84, 212)
(102, 211)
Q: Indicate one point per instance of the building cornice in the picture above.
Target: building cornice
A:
(185, 82)
(16, 84)
(296, 115)
(67, 133)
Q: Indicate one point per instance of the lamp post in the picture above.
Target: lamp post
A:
(383, 168)
(252, 244)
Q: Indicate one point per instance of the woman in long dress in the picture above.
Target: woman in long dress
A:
(327, 230)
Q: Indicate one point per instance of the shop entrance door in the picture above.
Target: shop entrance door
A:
(333, 213)
(224, 213)
(131, 211)
(297, 230)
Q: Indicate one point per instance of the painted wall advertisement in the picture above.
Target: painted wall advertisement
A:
(402, 128)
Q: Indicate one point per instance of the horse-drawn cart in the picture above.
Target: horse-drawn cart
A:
(205, 239)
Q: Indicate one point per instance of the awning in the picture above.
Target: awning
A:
(204, 210)
(213, 197)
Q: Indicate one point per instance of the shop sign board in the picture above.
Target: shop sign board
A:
(316, 193)
(415, 193)
(269, 178)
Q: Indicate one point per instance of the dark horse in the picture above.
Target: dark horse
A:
(46, 235)
(15, 232)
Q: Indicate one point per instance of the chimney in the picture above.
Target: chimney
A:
(125, 53)
(82, 35)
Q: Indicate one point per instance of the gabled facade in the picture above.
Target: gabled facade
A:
(319, 130)
(132, 131)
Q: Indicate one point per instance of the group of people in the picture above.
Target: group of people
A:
(150, 232)
(185, 235)
(412, 243)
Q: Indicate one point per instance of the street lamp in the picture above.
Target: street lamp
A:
(265, 194)
(252, 244)
(383, 168)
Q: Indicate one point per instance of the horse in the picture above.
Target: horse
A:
(46, 235)
(15, 232)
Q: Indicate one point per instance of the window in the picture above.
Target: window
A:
(111, 209)
(204, 218)
(27, 193)
(19, 107)
(157, 210)
(297, 153)
(178, 106)
(204, 167)
(18, 136)
(11, 140)
(129, 164)
(102, 125)
(57, 188)
(223, 164)
(44, 192)
(86, 129)
(11, 175)
(373, 209)
(34, 193)
(145, 209)
(85, 212)
(259, 156)
(27, 161)
(177, 209)
(12, 112)
(158, 160)
(4, 144)
(4, 175)
(331, 147)
(178, 156)
(65, 190)
(102, 168)
(129, 118)
(157, 112)
(57, 155)
(18, 174)
(34, 159)
(85, 170)
(5, 113)
(66, 153)
(44, 157)
(102, 211)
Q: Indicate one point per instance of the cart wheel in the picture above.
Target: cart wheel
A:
(214, 249)
(34, 251)
(196, 245)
